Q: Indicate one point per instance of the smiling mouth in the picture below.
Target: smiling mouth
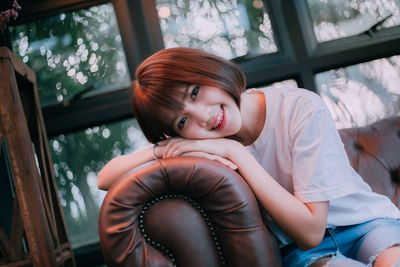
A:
(219, 119)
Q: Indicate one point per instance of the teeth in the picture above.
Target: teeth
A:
(219, 119)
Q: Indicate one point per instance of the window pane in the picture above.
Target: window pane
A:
(77, 158)
(361, 94)
(73, 51)
(226, 28)
(342, 18)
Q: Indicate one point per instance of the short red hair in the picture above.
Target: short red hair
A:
(158, 77)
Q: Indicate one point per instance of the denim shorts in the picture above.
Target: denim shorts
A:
(354, 245)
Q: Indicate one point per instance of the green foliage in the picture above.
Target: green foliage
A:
(78, 157)
(72, 51)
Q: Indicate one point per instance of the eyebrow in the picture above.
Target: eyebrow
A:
(185, 93)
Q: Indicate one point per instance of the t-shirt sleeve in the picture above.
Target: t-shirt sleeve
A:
(321, 169)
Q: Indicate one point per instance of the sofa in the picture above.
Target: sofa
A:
(188, 211)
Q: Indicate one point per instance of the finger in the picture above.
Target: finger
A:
(199, 154)
(226, 162)
(190, 145)
(159, 151)
(182, 147)
(217, 158)
(177, 150)
(179, 147)
(168, 147)
(171, 149)
(196, 154)
(172, 146)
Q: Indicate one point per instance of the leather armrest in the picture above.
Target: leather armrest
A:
(184, 211)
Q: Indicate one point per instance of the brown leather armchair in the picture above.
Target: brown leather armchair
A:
(195, 212)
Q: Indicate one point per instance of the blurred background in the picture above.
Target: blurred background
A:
(85, 53)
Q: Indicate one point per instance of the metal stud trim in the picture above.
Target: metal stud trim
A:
(163, 249)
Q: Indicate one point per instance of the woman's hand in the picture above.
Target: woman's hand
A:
(215, 149)
(222, 160)
(176, 146)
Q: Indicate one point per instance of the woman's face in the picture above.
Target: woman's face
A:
(208, 112)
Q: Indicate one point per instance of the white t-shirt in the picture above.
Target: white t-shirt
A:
(301, 149)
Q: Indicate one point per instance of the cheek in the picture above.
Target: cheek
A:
(197, 133)
(189, 132)
(235, 119)
(235, 127)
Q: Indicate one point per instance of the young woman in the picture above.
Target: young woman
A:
(282, 141)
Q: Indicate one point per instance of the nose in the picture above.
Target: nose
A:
(200, 113)
(202, 119)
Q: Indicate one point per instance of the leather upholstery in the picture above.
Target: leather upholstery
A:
(224, 197)
(374, 152)
(200, 213)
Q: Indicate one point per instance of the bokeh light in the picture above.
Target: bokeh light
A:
(229, 29)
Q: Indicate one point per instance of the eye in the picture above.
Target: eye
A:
(195, 91)
(181, 123)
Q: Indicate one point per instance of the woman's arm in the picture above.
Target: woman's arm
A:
(118, 166)
(304, 223)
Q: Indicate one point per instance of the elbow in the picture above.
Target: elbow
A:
(311, 240)
(314, 231)
(100, 182)
(100, 186)
(309, 245)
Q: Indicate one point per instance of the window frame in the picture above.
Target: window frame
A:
(299, 57)
(141, 37)
(319, 57)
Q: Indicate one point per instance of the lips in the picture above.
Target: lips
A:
(219, 118)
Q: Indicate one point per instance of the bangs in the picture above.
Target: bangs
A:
(151, 104)
(168, 105)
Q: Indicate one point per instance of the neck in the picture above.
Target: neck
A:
(252, 109)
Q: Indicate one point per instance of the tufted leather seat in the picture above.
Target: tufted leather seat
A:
(194, 212)
(374, 152)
